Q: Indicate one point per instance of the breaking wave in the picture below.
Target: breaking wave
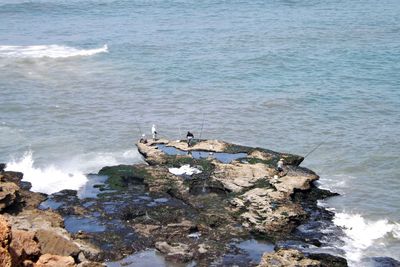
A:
(47, 180)
(48, 51)
(70, 174)
(361, 233)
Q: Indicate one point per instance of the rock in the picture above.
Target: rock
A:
(8, 194)
(23, 246)
(177, 251)
(5, 258)
(5, 232)
(28, 263)
(48, 260)
(238, 176)
(53, 243)
(203, 248)
(287, 258)
(91, 264)
(13, 177)
(328, 260)
(2, 167)
(380, 262)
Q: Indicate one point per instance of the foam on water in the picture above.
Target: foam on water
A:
(47, 51)
(67, 175)
(362, 233)
(47, 180)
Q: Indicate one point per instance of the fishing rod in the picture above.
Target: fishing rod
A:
(315, 148)
(202, 124)
(138, 126)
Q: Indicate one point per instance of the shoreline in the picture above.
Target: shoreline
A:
(205, 208)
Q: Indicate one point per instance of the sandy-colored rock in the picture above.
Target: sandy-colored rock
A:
(8, 194)
(5, 258)
(23, 246)
(5, 232)
(48, 260)
(295, 178)
(36, 219)
(287, 258)
(91, 264)
(28, 263)
(205, 145)
(145, 229)
(176, 251)
(237, 176)
(53, 243)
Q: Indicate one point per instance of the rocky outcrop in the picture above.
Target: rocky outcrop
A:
(53, 243)
(37, 237)
(23, 247)
(287, 258)
(237, 194)
(5, 239)
(49, 260)
(176, 251)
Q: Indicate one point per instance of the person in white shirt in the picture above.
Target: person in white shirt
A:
(279, 165)
(154, 132)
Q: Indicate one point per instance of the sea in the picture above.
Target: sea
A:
(80, 81)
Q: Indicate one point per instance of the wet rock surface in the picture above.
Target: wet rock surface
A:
(209, 218)
(27, 234)
(203, 218)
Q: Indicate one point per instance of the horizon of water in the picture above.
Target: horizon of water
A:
(80, 80)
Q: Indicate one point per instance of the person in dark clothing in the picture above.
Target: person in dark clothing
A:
(189, 138)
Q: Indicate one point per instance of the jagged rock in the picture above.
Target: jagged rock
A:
(90, 264)
(238, 176)
(48, 260)
(287, 258)
(36, 219)
(175, 251)
(5, 232)
(5, 258)
(53, 243)
(8, 194)
(28, 263)
(23, 246)
(2, 167)
(5, 239)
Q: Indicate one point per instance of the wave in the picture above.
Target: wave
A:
(48, 180)
(361, 233)
(47, 51)
(71, 173)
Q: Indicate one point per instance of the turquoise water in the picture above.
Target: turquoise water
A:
(78, 77)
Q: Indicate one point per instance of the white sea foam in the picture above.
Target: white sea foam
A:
(361, 233)
(47, 180)
(69, 174)
(49, 51)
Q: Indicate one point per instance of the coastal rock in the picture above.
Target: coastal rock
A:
(5, 257)
(287, 258)
(23, 246)
(5, 239)
(52, 243)
(2, 167)
(90, 264)
(8, 194)
(237, 195)
(238, 176)
(5, 232)
(49, 260)
(15, 194)
(176, 251)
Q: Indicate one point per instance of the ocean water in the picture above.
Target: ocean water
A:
(80, 80)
